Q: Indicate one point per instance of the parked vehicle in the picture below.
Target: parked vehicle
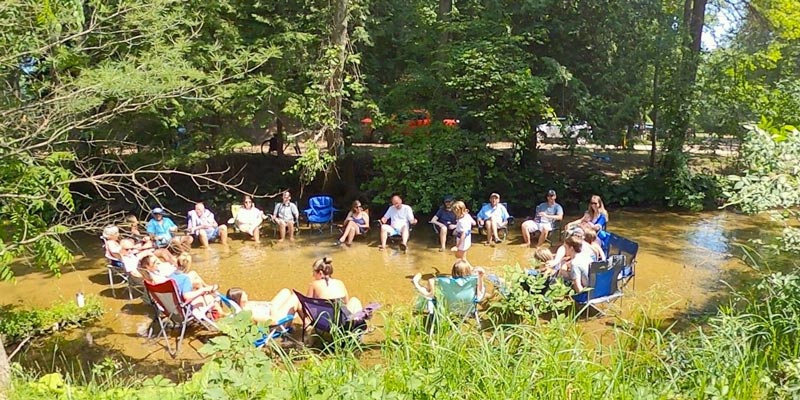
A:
(556, 131)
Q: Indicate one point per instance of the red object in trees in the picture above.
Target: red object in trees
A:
(451, 122)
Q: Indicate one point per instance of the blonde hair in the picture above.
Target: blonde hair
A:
(324, 265)
(543, 254)
(589, 235)
(459, 208)
(184, 261)
(461, 268)
(601, 208)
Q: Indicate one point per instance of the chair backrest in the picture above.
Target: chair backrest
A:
(456, 294)
(619, 245)
(166, 297)
(324, 314)
(320, 208)
(603, 278)
(111, 260)
(235, 210)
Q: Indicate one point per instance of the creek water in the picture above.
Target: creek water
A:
(685, 264)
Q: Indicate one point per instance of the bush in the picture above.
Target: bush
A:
(16, 325)
(523, 297)
(429, 163)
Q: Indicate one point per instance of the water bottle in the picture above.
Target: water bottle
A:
(80, 300)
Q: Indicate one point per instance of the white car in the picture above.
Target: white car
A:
(555, 131)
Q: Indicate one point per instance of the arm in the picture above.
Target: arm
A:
(275, 211)
(387, 215)
(559, 214)
(411, 220)
(295, 212)
(191, 224)
(425, 292)
(366, 220)
(480, 290)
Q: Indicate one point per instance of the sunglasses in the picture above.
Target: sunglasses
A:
(248, 202)
(595, 203)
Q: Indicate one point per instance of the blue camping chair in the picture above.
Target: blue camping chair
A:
(602, 287)
(502, 231)
(458, 296)
(327, 315)
(320, 212)
(618, 245)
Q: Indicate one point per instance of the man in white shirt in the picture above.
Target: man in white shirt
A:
(203, 225)
(397, 221)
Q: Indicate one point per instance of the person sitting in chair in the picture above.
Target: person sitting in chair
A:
(445, 221)
(577, 269)
(492, 217)
(163, 231)
(286, 216)
(203, 225)
(284, 303)
(356, 223)
(325, 287)
(142, 241)
(401, 217)
(544, 216)
(461, 269)
(249, 218)
(595, 217)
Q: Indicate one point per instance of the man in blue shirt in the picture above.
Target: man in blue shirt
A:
(163, 231)
(444, 222)
(544, 217)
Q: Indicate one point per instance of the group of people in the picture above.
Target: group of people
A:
(148, 252)
(157, 265)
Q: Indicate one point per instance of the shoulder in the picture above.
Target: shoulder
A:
(558, 206)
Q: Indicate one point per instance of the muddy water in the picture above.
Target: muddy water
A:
(682, 262)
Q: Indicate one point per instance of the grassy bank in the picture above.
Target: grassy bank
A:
(748, 351)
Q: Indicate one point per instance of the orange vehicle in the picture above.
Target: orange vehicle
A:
(407, 122)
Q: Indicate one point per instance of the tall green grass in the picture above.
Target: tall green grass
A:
(748, 350)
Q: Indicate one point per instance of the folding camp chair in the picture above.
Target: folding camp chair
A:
(602, 287)
(170, 310)
(279, 329)
(324, 315)
(396, 238)
(320, 212)
(502, 232)
(458, 296)
(450, 234)
(618, 245)
(270, 219)
(115, 268)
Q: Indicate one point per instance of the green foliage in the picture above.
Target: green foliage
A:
(430, 163)
(771, 159)
(16, 324)
(747, 350)
(526, 297)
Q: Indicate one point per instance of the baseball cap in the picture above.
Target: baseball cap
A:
(494, 195)
(551, 192)
(448, 198)
(158, 210)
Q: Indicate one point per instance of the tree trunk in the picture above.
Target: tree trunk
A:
(5, 371)
(445, 8)
(683, 96)
(654, 129)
